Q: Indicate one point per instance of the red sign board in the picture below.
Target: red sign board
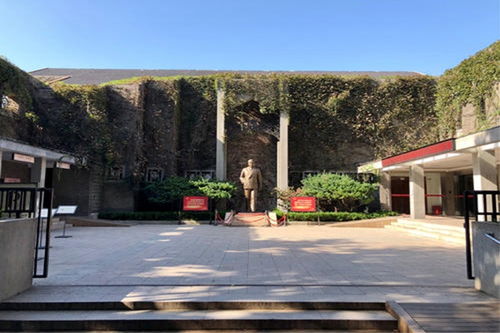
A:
(195, 203)
(303, 204)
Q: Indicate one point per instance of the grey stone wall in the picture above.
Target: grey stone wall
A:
(96, 177)
(17, 245)
(486, 257)
(71, 187)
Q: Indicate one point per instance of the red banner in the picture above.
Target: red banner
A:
(303, 204)
(195, 203)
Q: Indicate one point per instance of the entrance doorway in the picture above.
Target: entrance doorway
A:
(400, 187)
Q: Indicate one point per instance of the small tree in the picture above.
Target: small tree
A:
(214, 189)
(285, 196)
(338, 192)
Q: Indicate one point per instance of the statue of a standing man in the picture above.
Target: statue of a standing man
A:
(251, 178)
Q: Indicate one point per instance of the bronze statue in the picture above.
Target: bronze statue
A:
(251, 178)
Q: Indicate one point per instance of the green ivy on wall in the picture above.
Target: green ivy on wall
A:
(15, 84)
(472, 81)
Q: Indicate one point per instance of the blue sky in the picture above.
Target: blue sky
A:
(427, 36)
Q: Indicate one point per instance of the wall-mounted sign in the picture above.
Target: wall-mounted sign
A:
(11, 180)
(23, 158)
(303, 204)
(195, 203)
(63, 165)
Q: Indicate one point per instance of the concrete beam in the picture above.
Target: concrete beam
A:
(484, 171)
(22, 148)
(385, 192)
(489, 136)
(417, 192)
(221, 148)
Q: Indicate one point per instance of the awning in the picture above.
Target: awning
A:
(447, 155)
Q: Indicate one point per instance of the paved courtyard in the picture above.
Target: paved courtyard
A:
(296, 255)
(181, 263)
(296, 263)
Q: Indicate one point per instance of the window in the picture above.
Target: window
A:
(205, 174)
(115, 173)
(154, 175)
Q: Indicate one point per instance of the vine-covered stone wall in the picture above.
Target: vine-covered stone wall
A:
(170, 123)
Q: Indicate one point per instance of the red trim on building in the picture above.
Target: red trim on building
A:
(434, 149)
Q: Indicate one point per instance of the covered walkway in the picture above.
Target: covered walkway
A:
(431, 180)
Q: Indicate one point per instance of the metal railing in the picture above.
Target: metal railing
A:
(489, 212)
(30, 203)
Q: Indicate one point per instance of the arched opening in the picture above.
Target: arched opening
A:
(252, 135)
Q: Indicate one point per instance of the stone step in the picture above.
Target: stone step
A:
(189, 305)
(434, 226)
(459, 232)
(162, 320)
(429, 234)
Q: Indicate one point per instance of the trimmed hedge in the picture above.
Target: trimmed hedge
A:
(154, 216)
(173, 216)
(335, 216)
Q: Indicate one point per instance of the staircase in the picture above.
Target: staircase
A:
(250, 220)
(447, 233)
(210, 315)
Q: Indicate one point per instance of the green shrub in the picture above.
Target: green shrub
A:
(214, 189)
(169, 190)
(342, 193)
(172, 189)
(334, 216)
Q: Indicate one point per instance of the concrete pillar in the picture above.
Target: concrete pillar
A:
(38, 171)
(449, 202)
(282, 152)
(282, 155)
(1, 155)
(385, 192)
(221, 158)
(417, 192)
(484, 171)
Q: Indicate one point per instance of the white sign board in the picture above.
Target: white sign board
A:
(63, 165)
(45, 213)
(66, 210)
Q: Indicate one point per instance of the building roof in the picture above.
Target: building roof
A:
(98, 76)
(16, 146)
(448, 155)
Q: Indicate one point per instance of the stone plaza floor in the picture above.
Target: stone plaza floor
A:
(173, 263)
